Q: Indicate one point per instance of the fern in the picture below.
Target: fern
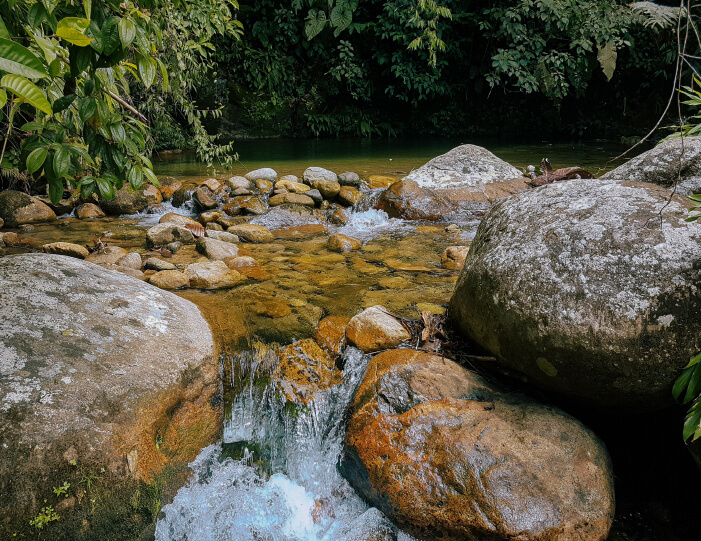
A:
(657, 17)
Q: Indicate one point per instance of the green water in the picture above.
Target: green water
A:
(384, 156)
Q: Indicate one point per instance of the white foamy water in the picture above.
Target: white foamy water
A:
(304, 497)
(368, 224)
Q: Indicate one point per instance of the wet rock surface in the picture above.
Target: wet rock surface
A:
(588, 287)
(375, 329)
(446, 455)
(96, 368)
(18, 208)
(406, 199)
(128, 201)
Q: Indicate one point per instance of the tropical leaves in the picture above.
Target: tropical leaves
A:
(656, 16)
(688, 386)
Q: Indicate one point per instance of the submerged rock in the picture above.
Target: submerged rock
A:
(342, 243)
(212, 275)
(445, 455)
(287, 216)
(216, 249)
(453, 257)
(375, 329)
(303, 370)
(18, 208)
(252, 233)
(589, 287)
(165, 233)
(330, 334)
(677, 161)
(100, 369)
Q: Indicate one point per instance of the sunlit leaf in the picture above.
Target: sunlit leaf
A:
(607, 58)
(127, 32)
(106, 188)
(62, 162)
(17, 59)
(3, 30)
(72, 29)
(36, 159)
(26, 90)
(3, 98)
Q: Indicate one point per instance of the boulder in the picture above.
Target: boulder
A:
(132, 260)
(236, 183)
(168, 187)
(342, 243)
(349, 196)
(286, 216)
(165, 233)
(64, 206)
(312, 174)
(157, 264)
(169, 279)
(453, 257)
(292, 186)
(470, 175)
(109, 255)
(128, 201)
(183, 194)
(291, 198)
(303, 370)
(329, 189)
(204, 198)
(407, 200)
(129, 271)
(380, 181)
(252, 233)
(265, 173)
(588, 287)
(349, 179)
(216, 249)
(330, 334)
(222, 235)
(212, 275)
(18, 208)
(66, 248)
(213, 184)
(174, 218)
(664, 165)
(375, 329)
(89, 210)
(316, 196)
(99, 373)
(245, 204)
(446, 455)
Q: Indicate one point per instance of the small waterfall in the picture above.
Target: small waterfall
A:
(285, 485)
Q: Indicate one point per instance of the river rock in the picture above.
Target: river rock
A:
(339, 217)
(157, 264)
(183, 194)
(209, 216)
(291, 198)
(216, 249)
(168, 189)
(349, 179)
(342, 243)
(64, 206)
(2, 223)
(292, 186)
(204, 198)
(453, 257)
(312, 174)
(212, 275)
(162, 234)
(128, 201)
(222, 235)
(174, 218)
(380, 181)
(132, 260)
(588, 287)
(329, 189)
(264, 186)
(265, 173)
(664, 164)
(303, 370)
(471, 175)
(89, 210)
(330, 334)
(213, 184)
(446, 455)
(129, 271)
(18, 208)
(109, 255)
(170, 279)
(66, 248)
(287, 216)
(236, 183)
(375, 329)
(103, 370)
(252, 233)
(407, 200)
(349, 196)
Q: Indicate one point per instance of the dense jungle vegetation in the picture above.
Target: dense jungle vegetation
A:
(90, 87)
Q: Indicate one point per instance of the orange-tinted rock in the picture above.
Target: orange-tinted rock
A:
(18, 208)
(406, 199)
(380, 181)
(453, 257)
(89, 210)
(445, 455)
(375, 329)
(349, 196)
(342, 243)
(330, 333)
(305, 369)
(168, 190)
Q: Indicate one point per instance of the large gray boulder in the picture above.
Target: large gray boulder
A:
(101, 373)
(446, 455)
(589, 287)
(677, 161)
(18, 208)
(471, 175)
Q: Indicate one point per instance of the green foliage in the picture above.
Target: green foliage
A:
(70, 119)
(63, 489)
(46, 515)
(687, 388)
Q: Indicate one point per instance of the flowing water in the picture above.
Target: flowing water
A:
(274, 477)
